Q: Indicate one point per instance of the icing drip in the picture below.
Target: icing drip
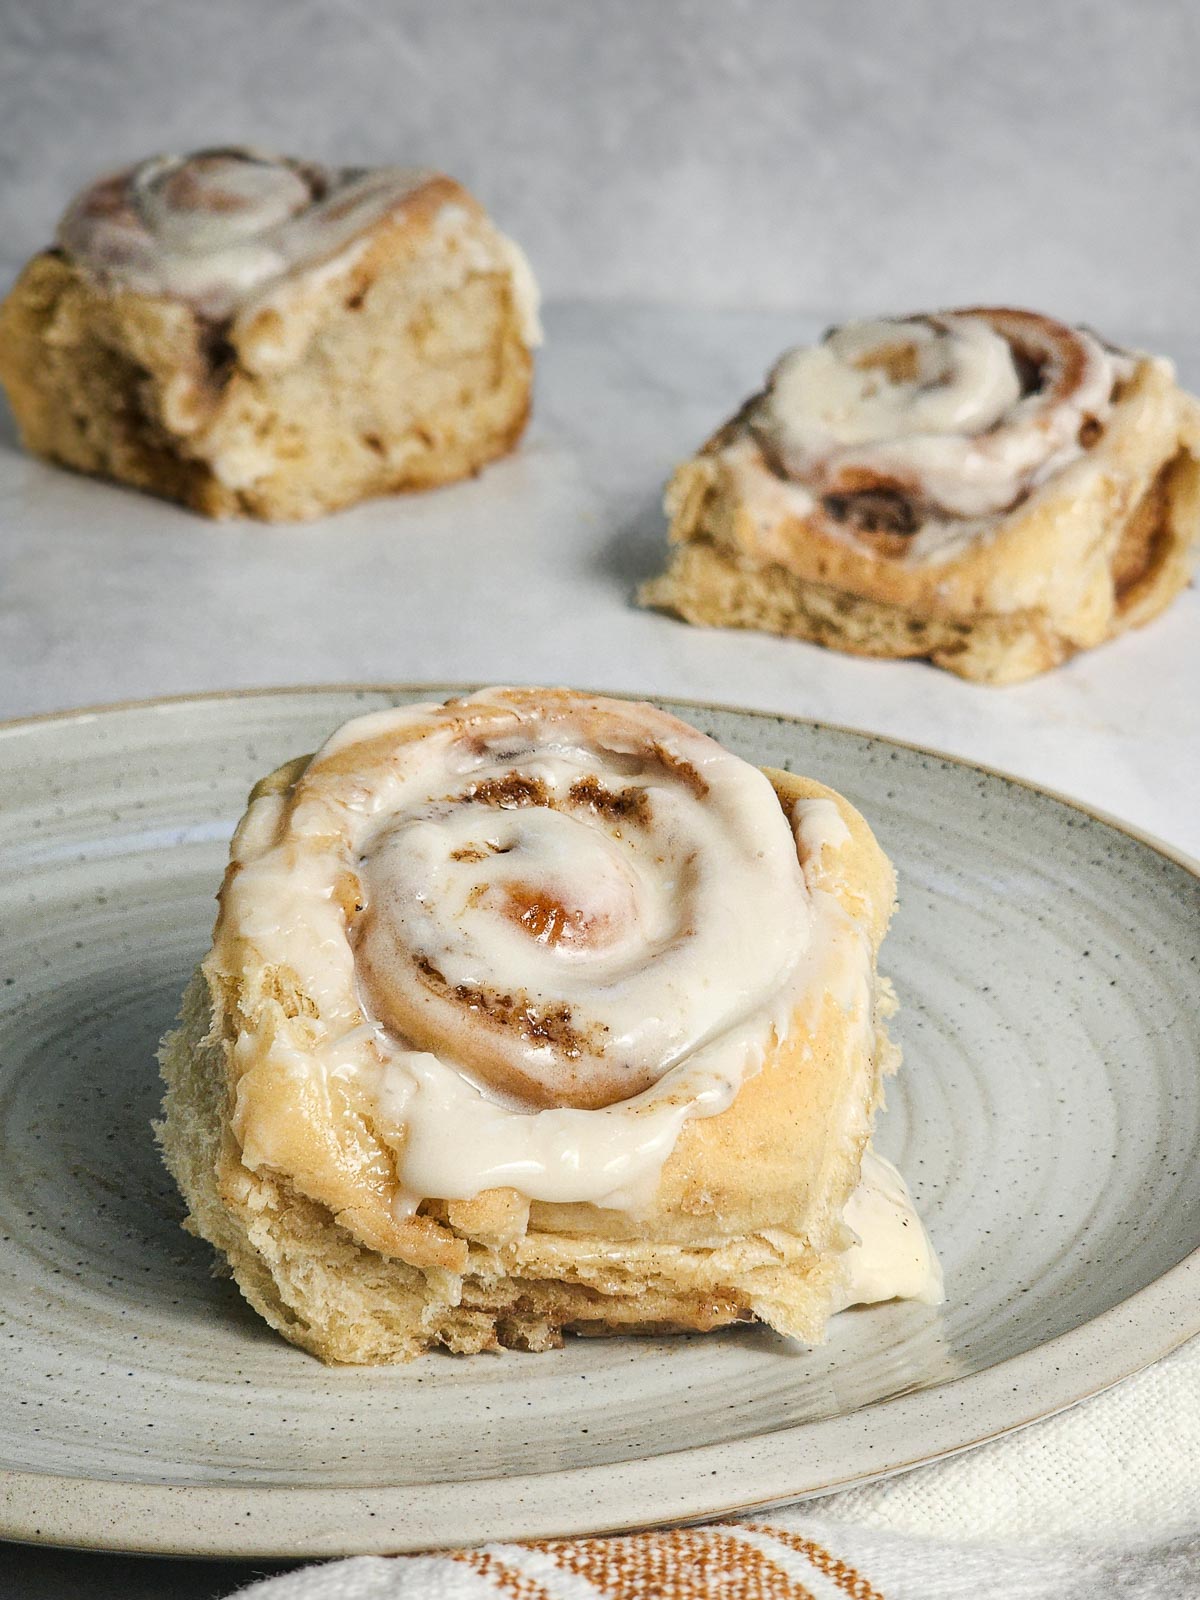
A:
(893, 1257)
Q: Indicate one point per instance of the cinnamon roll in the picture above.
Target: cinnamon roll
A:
(988, 488)
(254, 335)
(533, 1012)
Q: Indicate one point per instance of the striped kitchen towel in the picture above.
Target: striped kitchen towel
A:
(792, 1556)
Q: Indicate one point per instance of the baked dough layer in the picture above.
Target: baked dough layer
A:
(746, 1221)
(403, 364)
(1101, 546)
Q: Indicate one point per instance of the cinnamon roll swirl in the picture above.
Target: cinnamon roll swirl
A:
(255, 335)
(533, 1012)
(988, 488)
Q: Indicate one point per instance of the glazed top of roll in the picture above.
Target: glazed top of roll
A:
(907, 433)
(218, 226)
(543, 930)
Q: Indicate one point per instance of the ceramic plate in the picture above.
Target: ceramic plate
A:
(1048, 1118)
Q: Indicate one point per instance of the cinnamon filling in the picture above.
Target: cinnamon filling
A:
(900, 361)
(517, 1012)
(549, 921)
(512, 790)
(885, 510)
(624, 805)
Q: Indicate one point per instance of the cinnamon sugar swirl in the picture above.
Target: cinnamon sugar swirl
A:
(987, 487)
(254, 335)
(533, 1012)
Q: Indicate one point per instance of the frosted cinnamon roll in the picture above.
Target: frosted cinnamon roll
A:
(253, 335)
(988, 488)
(533, 1012)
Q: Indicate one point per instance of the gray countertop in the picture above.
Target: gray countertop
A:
(761, 153)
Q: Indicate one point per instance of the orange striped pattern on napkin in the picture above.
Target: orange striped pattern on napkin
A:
(746, 1561)
(794, 1556)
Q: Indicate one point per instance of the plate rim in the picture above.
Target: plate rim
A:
(274, 1521)
(30, 721)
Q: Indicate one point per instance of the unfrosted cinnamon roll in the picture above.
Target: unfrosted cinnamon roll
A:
(988, 488)
(253, 335)
(531, 1012)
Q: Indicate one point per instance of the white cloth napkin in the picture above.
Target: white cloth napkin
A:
(794, 1557)
(1119, 1470)
(1102, 1500)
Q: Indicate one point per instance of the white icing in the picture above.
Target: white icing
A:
(818, 823)
(670, 930)
(456, 1140)
(714, 942)
(960, 382)
(935, 406)
(221, 227)
(893, 1258)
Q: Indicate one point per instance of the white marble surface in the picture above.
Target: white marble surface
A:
(526, 574)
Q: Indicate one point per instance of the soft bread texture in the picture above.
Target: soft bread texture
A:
(406, 367)
(1100, 547)
(746, 1222)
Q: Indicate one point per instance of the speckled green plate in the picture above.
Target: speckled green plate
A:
(1048, 1118)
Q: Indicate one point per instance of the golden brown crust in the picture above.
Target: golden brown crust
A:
(746, 1222)
(285, 411)
(1104, 545)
